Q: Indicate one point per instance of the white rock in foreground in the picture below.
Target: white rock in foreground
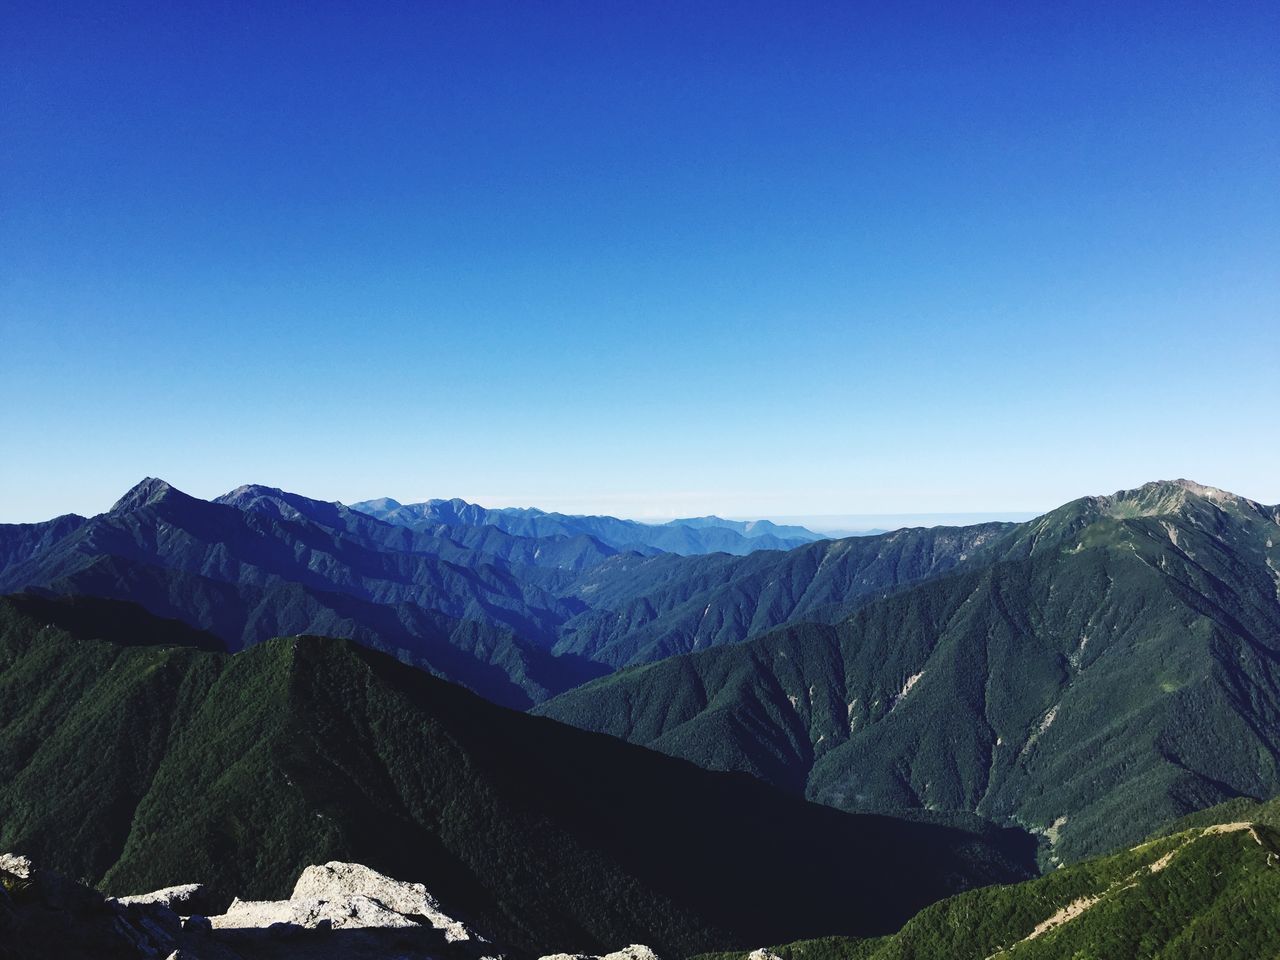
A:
(16, 865)
(175, 898)
(336, 881)
(637, 951)
(340, 913)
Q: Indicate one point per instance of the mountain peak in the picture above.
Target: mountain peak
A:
(1164, 497)
(144, 493)
(251, 490)
(255, 497)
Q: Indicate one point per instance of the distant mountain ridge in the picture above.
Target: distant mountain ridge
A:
(263, 563)
(460, 597)
(692, 536)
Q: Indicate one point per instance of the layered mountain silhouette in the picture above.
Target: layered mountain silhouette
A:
(137, 766)
(514, 617)
(1090, 675)
(475, 607)
(694, 535)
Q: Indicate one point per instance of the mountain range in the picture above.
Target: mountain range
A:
(1049, 675)
(516, 618)
(245, 686)
(694, 535)
(1088, 675)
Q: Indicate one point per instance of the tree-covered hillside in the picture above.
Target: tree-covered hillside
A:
(136, 766)
(644, 609)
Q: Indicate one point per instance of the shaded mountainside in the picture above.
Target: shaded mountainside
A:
(1208, 889)
(1116, 667)
(693, 536)
(136, 767)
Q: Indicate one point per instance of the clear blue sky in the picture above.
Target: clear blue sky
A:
(646, 259)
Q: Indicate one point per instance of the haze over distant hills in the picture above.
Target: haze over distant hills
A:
(693, 535)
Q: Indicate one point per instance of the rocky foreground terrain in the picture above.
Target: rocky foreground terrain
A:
(336, 910)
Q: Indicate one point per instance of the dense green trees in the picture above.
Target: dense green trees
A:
(139, 766)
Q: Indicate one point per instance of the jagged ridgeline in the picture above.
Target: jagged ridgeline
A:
(515, 605)
(1090, 674)
(136, 766)
(1209, 887)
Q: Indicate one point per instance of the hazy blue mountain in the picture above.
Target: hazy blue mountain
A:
(555, 557)
(686, 537)
(162, 764)
(747, 528)
(21, 541)
(464, 599)
(268, 565)
(514, 614)
(1095, 672)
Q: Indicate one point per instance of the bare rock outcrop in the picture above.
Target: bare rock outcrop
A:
(335, 881)
(15, 865)
(185, 899)
(636, 951)
(338, 911)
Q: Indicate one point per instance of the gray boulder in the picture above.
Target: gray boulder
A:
(336, 882)
(16, 865)
(636, 951)
(185, 899)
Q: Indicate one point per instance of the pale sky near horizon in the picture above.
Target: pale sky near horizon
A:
(651, 260)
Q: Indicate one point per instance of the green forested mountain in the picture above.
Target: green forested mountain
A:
(135, 766)
(1209, 888)
(1108, 667)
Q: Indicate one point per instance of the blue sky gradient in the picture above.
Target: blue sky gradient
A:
(643, 259)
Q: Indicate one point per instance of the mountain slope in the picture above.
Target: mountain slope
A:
(1212, 890)
(1117, 666)
(140, 766)
(644, 609)
(21, 541)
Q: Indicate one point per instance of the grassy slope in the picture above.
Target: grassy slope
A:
(1192, 893)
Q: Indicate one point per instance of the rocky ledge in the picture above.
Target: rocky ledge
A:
(336, 910)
